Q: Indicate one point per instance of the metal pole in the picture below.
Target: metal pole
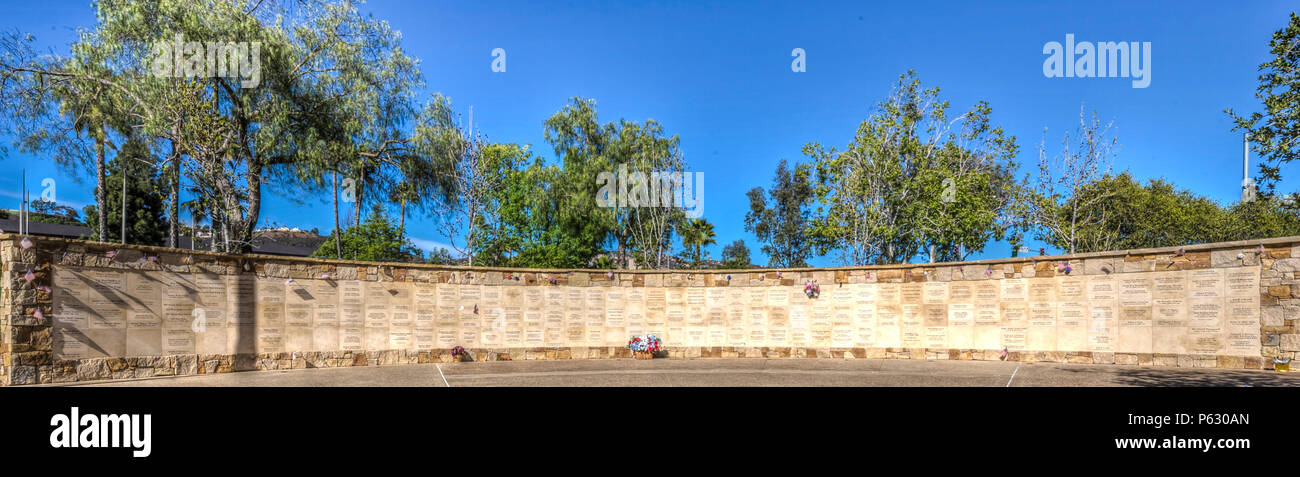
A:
(122, 163)
(22, 206)
(1247, 187)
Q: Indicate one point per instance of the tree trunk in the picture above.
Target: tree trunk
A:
(338, 238)
(360, 195)
(122, 168)
(101, 200)
(174, 198)
(244, 234)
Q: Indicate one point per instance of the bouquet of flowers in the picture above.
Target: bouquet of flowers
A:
(812, 289)
(459, 353)
(644, 348)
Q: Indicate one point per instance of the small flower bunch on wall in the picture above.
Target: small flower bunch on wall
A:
(812, 289)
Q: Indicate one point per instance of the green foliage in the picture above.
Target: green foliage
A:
(146, 224)
(736, 256)
(695, 234)
(914, 181)
(1276, 131)
(441, 256)
(51, 213)
(377, 240)
(781, 226)
(1157, 214)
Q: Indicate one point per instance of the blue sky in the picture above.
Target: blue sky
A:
(718, 75)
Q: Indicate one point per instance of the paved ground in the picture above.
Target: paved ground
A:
(733, 372)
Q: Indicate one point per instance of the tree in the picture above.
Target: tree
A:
(1058, 206)
(375, 240)
(145, 205)
(1276, 131)
(329, 84)
(736, 255)
(652, 162)
(696, 233)
(63, 106)
(913, 180)
(1261, 218)
(782, 226)
(50, 212)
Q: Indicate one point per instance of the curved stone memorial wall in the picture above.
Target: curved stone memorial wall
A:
(98, 311)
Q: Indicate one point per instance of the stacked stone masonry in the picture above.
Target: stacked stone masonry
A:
(80, 311)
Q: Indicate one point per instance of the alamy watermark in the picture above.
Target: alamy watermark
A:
(1105, 59)
(667, 189)
(212, 59)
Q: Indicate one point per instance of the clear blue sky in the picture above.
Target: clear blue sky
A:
(718, 75)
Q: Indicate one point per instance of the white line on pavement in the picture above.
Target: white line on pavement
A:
(444, 377)
(1013, 375)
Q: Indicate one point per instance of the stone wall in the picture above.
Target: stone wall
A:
(92, 311)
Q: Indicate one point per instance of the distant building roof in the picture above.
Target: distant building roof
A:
(262, 245)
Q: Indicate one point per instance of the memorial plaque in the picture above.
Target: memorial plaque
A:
(841, 294)
(270, 316)
(1168, 285)
(70, 343)
(935, 293)
(71, 306)
(1103, 289)
(1040, 335)
(1205, 284)
(988, 321)
(1042, 290)
(326, 294)
(241, 308)
(961, 325)
(1134, 329)
(1015, 289)
(351, 293)
(299, 311)
(1072, 326)
(799, 328)
(911, 325)
(1241, 303)
(1072, 289)
(888, 326)
(756, 319)
(676, 296)
(778, 296)
(889, 294)
(936, 325)
(864, 293)
(1135, 290)
(1102, 329)
(695, 296)
(351, 338)
(1015, 322)
(961, 292)
(987, 291)
(737, 332)
(911, 293)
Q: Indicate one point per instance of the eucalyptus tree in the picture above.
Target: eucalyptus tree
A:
(1063, 204)
(780, 216)
(914, 181)
(640, 155)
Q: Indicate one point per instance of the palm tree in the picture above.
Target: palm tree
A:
(696, 233)
(93, 121)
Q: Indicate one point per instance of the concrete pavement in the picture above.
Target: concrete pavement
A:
(731, 372)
